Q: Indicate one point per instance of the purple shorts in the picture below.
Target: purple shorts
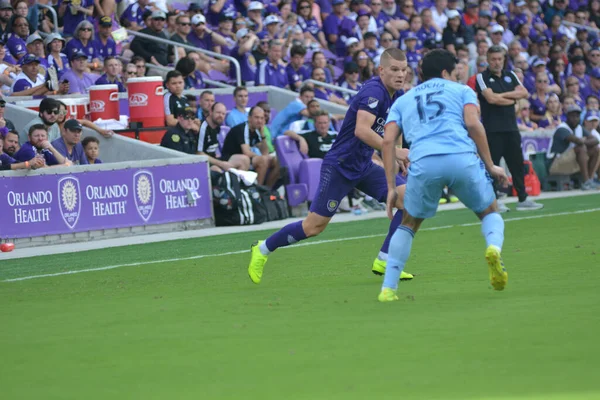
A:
(333, 187)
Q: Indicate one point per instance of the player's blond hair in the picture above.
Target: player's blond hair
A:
(391, 54)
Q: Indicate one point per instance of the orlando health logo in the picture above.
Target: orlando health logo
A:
(69, 200)
(144, 193)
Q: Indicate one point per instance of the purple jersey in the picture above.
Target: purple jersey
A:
(65, 64)
(71, 20)
(247, 65)
(103, 80)
(27, 152)
(194, 81)
(381, 19)
(16, 46)
(268, 74)
(89, 49)
(23, 82)
(322, 93)
(9, 59)
(584, 83)
(537, 105)
(426, 33)
(77, 155)
(350, 155)
(529, 81)
(228, 9)
(205, 42)
(105, 50)
(5, 159)
(589, 91)
(79, 84)
(413, 58)
(311, 26)
(134, 13)
(325, 5)
(294, 75)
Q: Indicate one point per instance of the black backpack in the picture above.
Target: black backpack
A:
(276, 206)
(235, 203)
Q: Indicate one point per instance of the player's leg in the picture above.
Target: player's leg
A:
(240, 161)
(374, 184)
(473, 187)
(333, 186)
(423, 191)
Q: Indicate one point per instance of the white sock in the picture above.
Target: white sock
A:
(263, 249)
(382, 256)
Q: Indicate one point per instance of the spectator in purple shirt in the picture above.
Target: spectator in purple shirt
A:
(30, 82)
(91, 146)
(79, 80)
(272, 27)
(38, 144)
(226, 30)
(104, 43)
(73, 12)
(203, 37)
(295, 70)
(243, 53)
(218, 7)
(350, 81)
(54, 45)
(594, 88)
(271, 71)
(539, 97)
(82, 42)
(578, 71)
(132, 17)
(8, 163)
(69, 144)
(18, 32)
(112, 68)
(309, 24)
(323, 93)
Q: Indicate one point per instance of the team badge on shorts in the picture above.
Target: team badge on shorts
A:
(372, 102)
(332, 205)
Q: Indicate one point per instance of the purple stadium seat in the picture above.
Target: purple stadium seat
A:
(303, 173)
(337, 72)
(217, 76)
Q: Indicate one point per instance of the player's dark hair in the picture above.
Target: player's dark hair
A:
(89, 139)
(239, 89)
(437, 61)
(305, 89)
(297, 50)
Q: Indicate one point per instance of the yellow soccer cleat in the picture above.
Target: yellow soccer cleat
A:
(498, 274)
(386, 295)
(257, 263)
(453, 199)
(443, 200)
(379, 269)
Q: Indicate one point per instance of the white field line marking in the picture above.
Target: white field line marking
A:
(316, 242)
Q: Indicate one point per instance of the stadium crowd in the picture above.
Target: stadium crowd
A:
(283, 43)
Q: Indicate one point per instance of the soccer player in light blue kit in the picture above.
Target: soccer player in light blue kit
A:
(440, 119)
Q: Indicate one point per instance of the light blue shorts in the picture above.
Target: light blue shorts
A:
(464, 173)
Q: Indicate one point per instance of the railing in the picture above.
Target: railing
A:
(209, 81)
(236, 64)
(53, 13)
(573, 24)
(332, 87)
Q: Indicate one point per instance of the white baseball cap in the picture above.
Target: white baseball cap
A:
(351, 41)
(497, 28)
(271, 19)
(452, 14)
(198, 19)
(255, 6)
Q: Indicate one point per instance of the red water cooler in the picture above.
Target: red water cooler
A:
(104, 102)
(146, 101)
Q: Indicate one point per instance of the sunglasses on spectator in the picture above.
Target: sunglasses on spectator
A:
(184, 23)
(131, 72)
(304, 7)
(55, 112)
(408, 6)
(375, 4)
(542, 81)
(573, 84)
(187, 117)
(159, 19)
(525, 108)
(86, 29)
(2, 105)
(386, 40)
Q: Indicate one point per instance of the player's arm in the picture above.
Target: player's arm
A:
(391, 137)
(477, 134)
(489, 95)
(519, 91)
(363, 131)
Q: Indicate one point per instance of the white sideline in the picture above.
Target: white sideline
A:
(298, 245)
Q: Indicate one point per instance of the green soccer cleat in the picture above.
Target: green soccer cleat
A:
(257, 263)
(387, 295)
(498, 274)
(379, 269)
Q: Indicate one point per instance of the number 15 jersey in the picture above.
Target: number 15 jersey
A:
(430, 116)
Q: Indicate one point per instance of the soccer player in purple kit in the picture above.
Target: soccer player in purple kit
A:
(348, 165)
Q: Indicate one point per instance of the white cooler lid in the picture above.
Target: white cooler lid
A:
(103, 87)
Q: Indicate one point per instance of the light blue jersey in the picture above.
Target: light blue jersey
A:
(431, 118)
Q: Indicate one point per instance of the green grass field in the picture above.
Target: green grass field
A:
(197, 328)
